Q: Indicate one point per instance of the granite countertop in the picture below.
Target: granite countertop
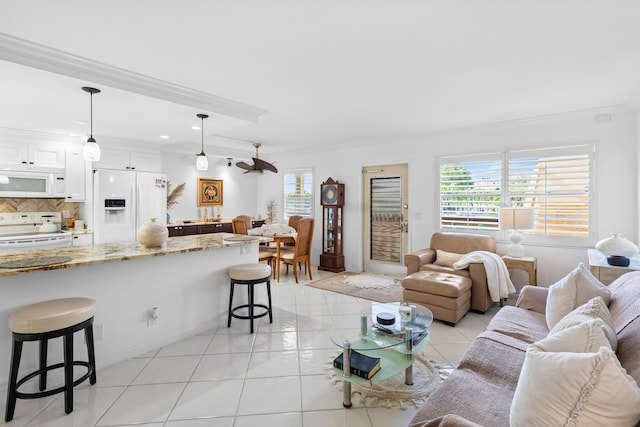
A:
(76, 256)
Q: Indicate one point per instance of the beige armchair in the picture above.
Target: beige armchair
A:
(457, 243)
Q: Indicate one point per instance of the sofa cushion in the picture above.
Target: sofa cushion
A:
(488, 369)
(447, 259)
(595, 308)
(584, 337)
(574, 389)
(516, 328)
(625, 312)
(573, 290)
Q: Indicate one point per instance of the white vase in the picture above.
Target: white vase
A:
(152, 234)
(617, 245)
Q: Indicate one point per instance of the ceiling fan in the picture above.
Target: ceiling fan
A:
(258, 166)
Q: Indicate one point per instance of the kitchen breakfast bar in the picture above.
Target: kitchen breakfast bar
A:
(185, 279)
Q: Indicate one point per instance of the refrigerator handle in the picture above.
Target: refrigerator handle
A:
(137, 209)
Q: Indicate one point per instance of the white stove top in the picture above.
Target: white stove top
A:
(27, 224)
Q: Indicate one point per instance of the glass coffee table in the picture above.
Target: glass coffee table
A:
(394, 332)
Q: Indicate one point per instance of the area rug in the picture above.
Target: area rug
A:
(393, 392)
(366, 286)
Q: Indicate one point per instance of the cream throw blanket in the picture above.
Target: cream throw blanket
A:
(498, 280)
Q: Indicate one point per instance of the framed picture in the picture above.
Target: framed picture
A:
(209, 192)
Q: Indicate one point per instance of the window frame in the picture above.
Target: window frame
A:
(297, 172)
(589, 148)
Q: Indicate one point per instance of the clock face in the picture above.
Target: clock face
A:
(329, 194)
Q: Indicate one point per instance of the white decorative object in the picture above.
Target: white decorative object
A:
(516, 219)
(617, 244)
(617, 249)
(152, 234)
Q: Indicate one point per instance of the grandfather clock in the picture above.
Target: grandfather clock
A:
(332, 201)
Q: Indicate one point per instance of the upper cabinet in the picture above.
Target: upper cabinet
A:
(21, 156)
(129, 160)
(76, 169)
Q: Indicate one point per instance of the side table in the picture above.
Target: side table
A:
(527, 264)
(606, 273)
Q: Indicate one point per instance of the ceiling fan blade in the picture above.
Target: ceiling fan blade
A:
(245, 166)
(265, 166)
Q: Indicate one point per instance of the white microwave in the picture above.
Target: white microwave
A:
(32, 184)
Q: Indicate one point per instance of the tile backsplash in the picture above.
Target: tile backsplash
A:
(38, 205)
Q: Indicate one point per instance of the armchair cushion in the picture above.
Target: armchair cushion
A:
(447, 259)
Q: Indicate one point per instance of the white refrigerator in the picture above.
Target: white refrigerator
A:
(125, 200)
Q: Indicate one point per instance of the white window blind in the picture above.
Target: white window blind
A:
(556, 184)
(470, 192)
(298, 193)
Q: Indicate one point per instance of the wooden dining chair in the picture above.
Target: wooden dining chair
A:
(302, 249)
(293, 221)
(241, 225)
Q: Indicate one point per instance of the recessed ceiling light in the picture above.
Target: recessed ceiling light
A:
(164, 136)
(195, 127)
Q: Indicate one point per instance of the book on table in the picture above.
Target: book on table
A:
(361, 365)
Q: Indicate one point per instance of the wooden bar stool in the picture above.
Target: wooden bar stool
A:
(250, 275)
(41, 322)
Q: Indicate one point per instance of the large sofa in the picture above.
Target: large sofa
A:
(481, 390)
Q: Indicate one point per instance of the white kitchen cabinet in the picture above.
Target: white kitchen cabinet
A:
(128, 160)
(22, 156)
(82, 239)
(76, 174)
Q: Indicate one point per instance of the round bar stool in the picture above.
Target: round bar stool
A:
(250, 275)
(41, 322)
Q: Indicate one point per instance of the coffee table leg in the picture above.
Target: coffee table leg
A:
(346, 371)
(408, 373)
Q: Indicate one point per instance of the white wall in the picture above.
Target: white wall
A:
(616, 179)
(239, 190)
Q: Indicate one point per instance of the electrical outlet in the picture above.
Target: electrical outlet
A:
(98, 331)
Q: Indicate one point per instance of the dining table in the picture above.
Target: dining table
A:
(281, 235)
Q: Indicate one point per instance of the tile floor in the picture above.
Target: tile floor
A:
(226, 377)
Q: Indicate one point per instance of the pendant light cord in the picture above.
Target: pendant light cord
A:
(202, 135)
(91, 114)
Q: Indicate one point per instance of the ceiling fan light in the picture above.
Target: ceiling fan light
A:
(91, 150)
(202, 163)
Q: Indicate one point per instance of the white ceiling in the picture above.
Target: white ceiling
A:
(327, 72)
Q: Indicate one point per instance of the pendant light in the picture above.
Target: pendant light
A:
(202, 164)
(91, 150)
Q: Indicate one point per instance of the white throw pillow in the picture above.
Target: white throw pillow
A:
(572, 291)
(584, 337)
(574, 389)
(447, 259)
(595, 308)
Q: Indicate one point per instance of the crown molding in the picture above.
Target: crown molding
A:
(24, 52)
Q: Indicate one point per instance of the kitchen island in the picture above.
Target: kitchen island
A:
(186, 280)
